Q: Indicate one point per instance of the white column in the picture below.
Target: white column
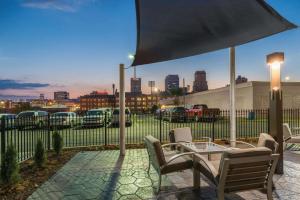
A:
(122, 110)
(232, 97)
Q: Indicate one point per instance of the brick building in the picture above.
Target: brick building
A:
(135, 102)
(97, 100)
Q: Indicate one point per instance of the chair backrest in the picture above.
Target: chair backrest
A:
(287, 133)
(183, 134)
(155, 152)
(245, 169)
(266, 140)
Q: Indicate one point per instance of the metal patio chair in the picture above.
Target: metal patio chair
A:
(289, 136)
(240, 169)
(164, 164)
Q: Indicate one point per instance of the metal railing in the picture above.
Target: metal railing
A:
(82, 131)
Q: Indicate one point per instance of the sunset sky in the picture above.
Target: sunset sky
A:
(77, 45)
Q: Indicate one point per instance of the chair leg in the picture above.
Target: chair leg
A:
(149, 165)
(221, 195)
(269, 191)
(159, 184)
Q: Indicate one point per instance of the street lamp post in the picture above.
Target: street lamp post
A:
(275, 60)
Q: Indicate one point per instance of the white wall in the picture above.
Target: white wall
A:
(251, 95)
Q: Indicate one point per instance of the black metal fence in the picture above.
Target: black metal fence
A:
(79, 131)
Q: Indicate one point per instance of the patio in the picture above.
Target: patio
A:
(103, 175)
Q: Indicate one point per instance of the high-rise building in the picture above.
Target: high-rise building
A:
(42, 97)
(241, 79)
(61, 95)
(136, 85)
(200, 83)
(171, 82)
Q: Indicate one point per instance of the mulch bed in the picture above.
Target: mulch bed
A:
(32, 177)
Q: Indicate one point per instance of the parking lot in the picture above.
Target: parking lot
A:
(142, 125)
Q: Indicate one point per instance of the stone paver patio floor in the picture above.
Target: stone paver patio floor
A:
(103, 175)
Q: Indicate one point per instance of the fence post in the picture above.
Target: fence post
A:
(48, 132)
(160, 127)
(3, 139)
(105, 129)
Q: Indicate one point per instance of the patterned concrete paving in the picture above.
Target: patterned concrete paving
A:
(103, 175)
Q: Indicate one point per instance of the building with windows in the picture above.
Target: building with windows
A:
(135, 102)
(139, 102)
(136, 85)
(61, 95)
(97, 100)
(200, 83)
(171, 82)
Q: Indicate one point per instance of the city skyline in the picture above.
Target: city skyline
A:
(78, 45)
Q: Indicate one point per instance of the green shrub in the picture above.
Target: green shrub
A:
(40, 154)
(9, 166)
(57, 142)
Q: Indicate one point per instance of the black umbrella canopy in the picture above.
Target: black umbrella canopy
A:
(171, 29)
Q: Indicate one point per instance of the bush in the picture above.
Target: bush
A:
(9, 166)
(57, 142)
(40, 154)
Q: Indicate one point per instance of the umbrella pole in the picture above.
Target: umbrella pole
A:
(232, 97)
(122, 110)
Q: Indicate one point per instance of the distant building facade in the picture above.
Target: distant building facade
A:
(136, 85)
(200, 83)
(171, 82)
(135, 102)
(97, 100)
(241, 79)
(61, 95)
(250, 95)
(138, 103)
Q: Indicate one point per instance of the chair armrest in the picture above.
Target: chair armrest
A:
(241, 142)
(199, 158)
(178, 156)
(295, 129)
(169, 144)
(209, 139)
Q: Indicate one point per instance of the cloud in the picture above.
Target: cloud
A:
(6, 84)
(61, 5)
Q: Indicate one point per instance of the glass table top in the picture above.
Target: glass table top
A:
(203, 147)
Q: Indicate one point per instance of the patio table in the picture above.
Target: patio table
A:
(203, 148)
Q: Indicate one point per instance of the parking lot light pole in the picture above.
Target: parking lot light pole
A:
(275, 60)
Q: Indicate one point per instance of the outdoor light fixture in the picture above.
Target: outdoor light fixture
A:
(130, 56)
(275, 60)
(287, 78)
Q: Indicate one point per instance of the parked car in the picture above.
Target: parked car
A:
(31, 119)
(159, 113)
(64, 119)
(175, 114)
(9, 120)
(94, 118)
(200, 112)
(115, 119)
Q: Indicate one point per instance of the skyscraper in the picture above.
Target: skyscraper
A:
(171, 82)
(200, 83)
(136, 85)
